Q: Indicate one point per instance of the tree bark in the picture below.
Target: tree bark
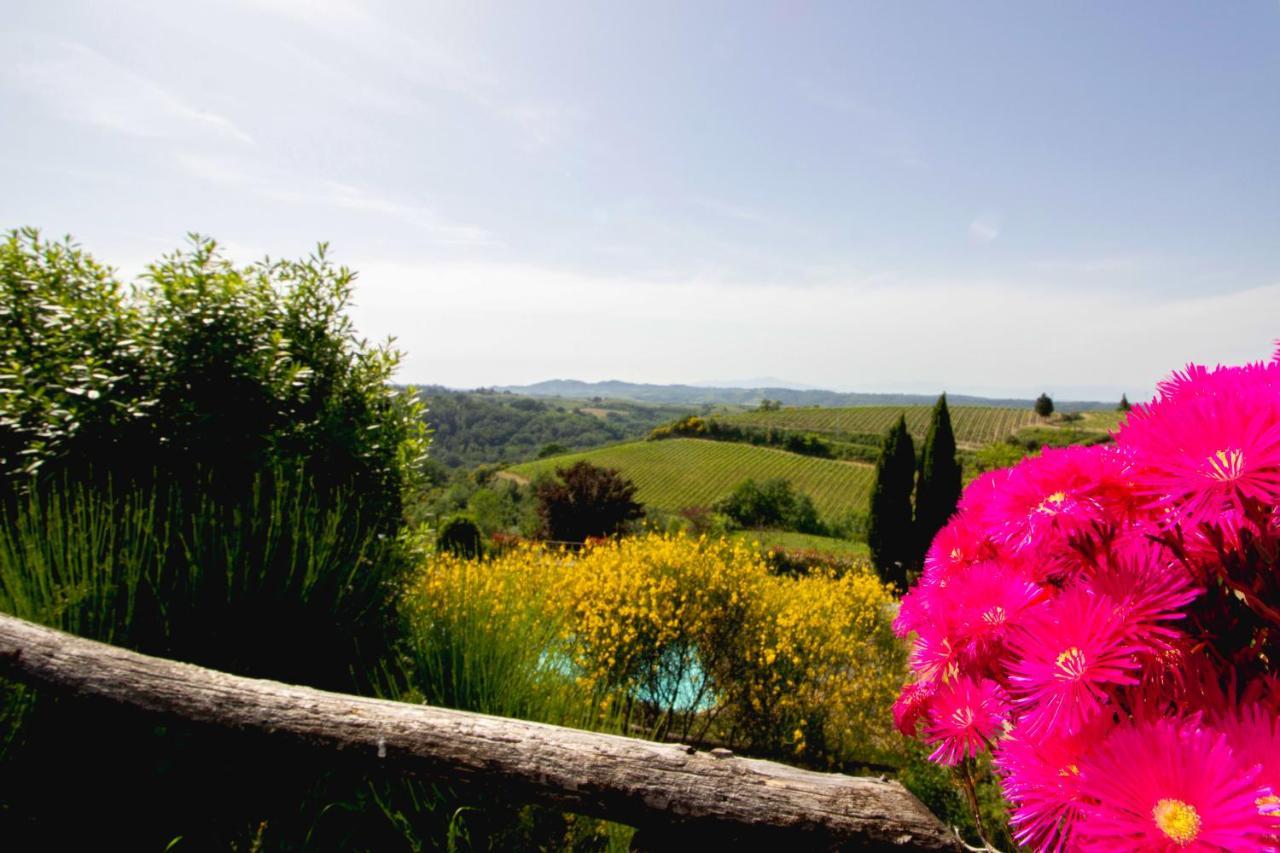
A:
(678, 797)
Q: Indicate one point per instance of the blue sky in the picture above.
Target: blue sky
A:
(990, 198)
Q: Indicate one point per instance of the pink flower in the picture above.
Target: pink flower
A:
(1209, 446)
(960, 543)
(1041, 778)
(1043, 501)
(986, 602)
(963, 717)
(911, 705)
(1067, 658)
(1148, 586)
(1253, 731)
(1173, 786)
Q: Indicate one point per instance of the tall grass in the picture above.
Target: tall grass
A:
(489, 642)
(280, 581)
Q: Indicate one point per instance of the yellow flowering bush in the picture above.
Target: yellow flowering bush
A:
(664, 636)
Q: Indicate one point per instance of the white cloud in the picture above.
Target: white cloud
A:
(292, 189)
(984, 229)
(79, 84)
(440, 58)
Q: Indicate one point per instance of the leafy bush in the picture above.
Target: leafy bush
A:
(771, 504)
(204, 367)
(460, 535)
(586, 501)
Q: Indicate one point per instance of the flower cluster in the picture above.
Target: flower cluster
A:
(1106, 622)
(697, 635)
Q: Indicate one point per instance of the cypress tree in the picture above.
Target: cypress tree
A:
(889, 524)
(938, 489)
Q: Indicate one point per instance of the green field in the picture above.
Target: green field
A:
(803, 542)
(974, 425)
(684, 472)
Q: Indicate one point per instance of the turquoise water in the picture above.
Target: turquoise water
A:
(678, 680)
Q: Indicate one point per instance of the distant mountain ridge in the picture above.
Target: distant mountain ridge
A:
(696, 395)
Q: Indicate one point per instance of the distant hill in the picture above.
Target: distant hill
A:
(476, 427)
(694, 395)
(682, 472)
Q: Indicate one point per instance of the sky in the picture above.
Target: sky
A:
(984, 198)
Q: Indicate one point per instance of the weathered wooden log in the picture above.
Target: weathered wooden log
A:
(670, 791)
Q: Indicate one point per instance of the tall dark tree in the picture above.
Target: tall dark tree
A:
(586, 501)
(1124, 404)
(938, 487)
(889, 524)
(1044, 406)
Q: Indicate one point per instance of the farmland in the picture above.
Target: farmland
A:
(803, 541)
(974, 425)
(694, 472)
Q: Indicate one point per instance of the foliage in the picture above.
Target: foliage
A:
(890, 533)
(275, 584)
(938, 486)
(685, 472)
(470, 428)
(586, 501)
(771, 504)
(1003, 454)
(695, 426)
(1043, 406)
(694, 638)
(1124, 404)
(460, 535)
(1105, 622)
(206, 367)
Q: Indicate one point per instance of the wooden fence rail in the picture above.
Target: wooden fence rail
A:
(672, 793)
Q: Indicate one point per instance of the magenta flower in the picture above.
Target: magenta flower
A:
(1253, 730)
(964, 716)
(1043, 501)
(1209, 446)
(987, 601)
(1067, 658)
(911, 705)
(1172, 786)
(1148, 586)
(1041, 779)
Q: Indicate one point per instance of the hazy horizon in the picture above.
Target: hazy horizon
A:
(982, 198)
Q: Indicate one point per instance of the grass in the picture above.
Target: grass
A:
(681, 472)
(803, 542)
(276, 582)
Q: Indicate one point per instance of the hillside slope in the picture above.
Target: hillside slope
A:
(973, 425)
(682, 472)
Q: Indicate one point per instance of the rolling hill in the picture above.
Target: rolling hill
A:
(742, 396)
(974, 425)
(684, 472)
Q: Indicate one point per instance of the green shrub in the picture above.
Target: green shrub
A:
(461, 536)
(203, 367)
(771, 504)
